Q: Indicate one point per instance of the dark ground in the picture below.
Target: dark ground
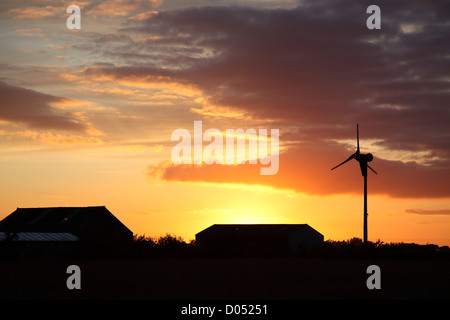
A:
(225, 278)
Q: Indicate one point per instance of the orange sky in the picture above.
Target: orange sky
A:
(86, 116)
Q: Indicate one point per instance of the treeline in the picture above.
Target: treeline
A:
(355, 248)
(163, 246)
(171, 246)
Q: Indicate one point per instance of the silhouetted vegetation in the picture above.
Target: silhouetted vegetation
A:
(167, 246)
(171, 246)
(355, 248)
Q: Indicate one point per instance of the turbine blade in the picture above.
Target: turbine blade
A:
(372, 169)
(349, 158)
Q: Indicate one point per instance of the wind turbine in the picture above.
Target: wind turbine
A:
(363, 160)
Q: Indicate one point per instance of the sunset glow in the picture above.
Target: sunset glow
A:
(86, 116)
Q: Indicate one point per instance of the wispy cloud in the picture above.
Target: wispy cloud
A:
(120, 8)
(36, 12)
(49, 138)
(428, 212)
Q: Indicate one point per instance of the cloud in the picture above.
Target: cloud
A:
(60, 139)
(95, 8)
(30, 32)
(144, 15)
(43, 9)
(316, 71)
(34, 110)
(36, 12)
(316, 65)
(312, 71)
(305, 168)
(49, 138)
(428, 212)
(120, 8)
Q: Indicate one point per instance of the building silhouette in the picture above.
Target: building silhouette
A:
(258, 239)
(58, 230)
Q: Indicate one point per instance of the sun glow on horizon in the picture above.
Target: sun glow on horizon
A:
(86, 116)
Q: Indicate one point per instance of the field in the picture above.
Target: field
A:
(225, 278)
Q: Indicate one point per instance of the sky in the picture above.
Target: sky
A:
(87, 115)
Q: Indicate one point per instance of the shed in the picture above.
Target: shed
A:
(87, 224)
(258, 239)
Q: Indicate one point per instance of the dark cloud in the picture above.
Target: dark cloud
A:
(318, 69)
(319, 65)
(32, 108)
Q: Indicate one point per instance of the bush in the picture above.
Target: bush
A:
(163, 246)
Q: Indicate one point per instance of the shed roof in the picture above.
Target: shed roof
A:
(254, 229)
(75, 220)
(40, 236)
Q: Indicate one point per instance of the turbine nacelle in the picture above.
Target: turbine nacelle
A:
(362, 158)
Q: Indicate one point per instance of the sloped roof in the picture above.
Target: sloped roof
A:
(251, 230)
(75, 220)
(40, 236)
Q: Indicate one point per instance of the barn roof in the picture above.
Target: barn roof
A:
(254, 229)
(34, 222)
(39, 236)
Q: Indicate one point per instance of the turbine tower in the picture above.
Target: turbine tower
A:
(363, 160)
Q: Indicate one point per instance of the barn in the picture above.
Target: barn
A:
(58, 229)
(258, 239)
